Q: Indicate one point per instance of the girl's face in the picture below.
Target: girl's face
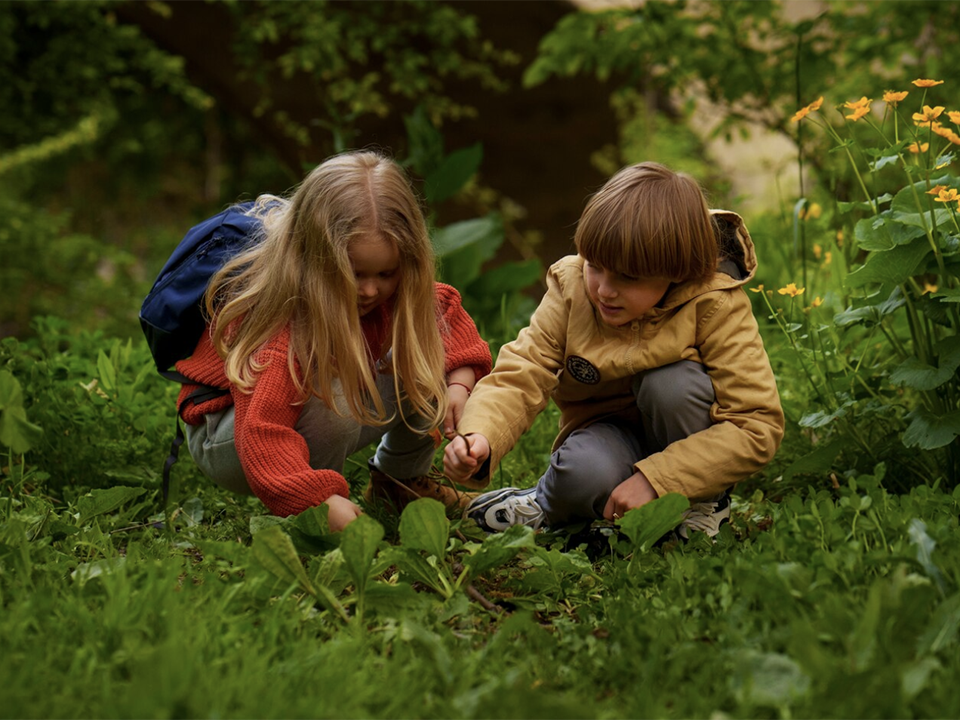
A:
(619, 298)
(376, 266)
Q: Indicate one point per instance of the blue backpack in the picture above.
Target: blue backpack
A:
(172, 316)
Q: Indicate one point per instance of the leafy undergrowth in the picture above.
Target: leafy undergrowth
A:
(832, 603)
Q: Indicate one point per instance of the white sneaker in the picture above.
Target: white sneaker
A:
(498, 510)
(706, 516)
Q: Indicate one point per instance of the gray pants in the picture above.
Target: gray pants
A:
(402, 452)
(674, 402)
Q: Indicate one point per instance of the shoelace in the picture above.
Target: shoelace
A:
(698, 517)
(528, 509)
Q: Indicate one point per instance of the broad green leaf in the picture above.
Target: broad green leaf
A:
(845, 207)
(648, 523)
(16, 432)
(906, 199)
(925, 546)
(107, 372)
(106, 500)
(274, 550)
(894, 266)
(951, 295)
(87, 571)
(310, 531)
(506, 278)
(424, 526)
(486, 230)
(873, 312)
(821, 418)
(924, 377)
(453, 173)
(883, 233)
(499, 549)
(819, 460)
(928, 431)
(942, 631)
(768, 679)
(358, 543)
(414, 567)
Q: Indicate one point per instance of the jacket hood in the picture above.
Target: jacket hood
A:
(736, 266)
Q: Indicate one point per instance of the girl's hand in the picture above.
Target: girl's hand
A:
(633, 492)
(342, 512)
(456, 398)
(464, 456)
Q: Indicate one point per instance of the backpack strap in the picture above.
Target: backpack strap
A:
(199, 396)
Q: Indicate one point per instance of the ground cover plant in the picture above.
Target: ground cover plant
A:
(833, 592)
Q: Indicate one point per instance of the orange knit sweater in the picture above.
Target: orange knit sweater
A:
(274, 455)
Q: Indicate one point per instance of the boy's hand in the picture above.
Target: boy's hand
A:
(342, 512)
(633, 492)
(464, 456)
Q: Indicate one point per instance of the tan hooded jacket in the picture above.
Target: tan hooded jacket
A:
(587, 367)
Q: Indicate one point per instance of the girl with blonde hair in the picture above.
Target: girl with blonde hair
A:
(330, 333)
(647, 343)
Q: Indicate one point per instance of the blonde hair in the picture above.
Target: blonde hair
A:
(299, 275)
(648, 221)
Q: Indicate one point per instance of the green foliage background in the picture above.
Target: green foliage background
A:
(834, 591)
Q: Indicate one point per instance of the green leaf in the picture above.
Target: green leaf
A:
(882, 233)
(499, 549)
(274, 550)
(453, 173)
(925, 546)
(928, 431)
(424, 526)
(507, 278)
(358, 543)
(818, 461)
(648, 523)
(16, 432)
(486, 230)
(768, 679)
(108, 373)
(894, 266)
(924, 377)
(952, 295)
(411, 563)
(845, 207)
(106, 500)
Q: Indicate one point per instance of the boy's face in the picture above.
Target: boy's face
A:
(619, 298)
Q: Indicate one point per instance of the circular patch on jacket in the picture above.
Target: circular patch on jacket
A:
(582, 370)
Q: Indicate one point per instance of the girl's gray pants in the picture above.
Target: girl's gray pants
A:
(402, 452)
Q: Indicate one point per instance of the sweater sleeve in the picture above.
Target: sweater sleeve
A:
(462, 344)
(274, 456)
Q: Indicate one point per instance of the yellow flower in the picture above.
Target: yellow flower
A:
(858, 113)
(892, 98)
(928, 288)
(757, 289)
(935, 190)
(945, 195)
(817, 250)
(791, 289)
(914, 148)
(817, 302)
(854, 104)
(927, 83)
(827, 259)
(954, 116)
(804, 111)
(928, 115)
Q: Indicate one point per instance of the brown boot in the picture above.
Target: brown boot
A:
(399, 493)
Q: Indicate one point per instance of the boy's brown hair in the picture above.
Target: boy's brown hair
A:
(648, 221)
